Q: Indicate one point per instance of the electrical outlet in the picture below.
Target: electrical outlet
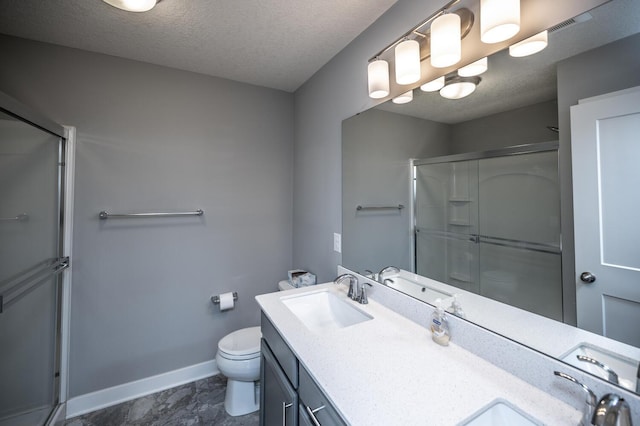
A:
(337, 243)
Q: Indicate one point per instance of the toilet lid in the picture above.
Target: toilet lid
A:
(241, 342)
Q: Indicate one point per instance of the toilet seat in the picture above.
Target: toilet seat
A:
(241, 344)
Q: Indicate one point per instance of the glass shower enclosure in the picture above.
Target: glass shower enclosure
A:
(489, 223)
(31, 262)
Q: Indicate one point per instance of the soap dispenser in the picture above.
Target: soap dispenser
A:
(457, 308)
(440, 325)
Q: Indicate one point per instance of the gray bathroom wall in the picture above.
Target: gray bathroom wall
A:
(336, 92)
(613, 67)
(377, 149)
(157, 139)
(514, 127)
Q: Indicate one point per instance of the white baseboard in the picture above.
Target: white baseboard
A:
(89, 402)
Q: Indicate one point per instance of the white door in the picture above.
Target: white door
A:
(605, 144)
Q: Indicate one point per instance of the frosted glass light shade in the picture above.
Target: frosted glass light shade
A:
(533, 44)
(133, 5)
(446, 47)
(475, 68)
(433, 85)
(378, 72)
(407, 56)
(499, 20)
(404, 98)
(458, 90)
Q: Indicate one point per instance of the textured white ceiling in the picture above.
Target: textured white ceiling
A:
(272, 43)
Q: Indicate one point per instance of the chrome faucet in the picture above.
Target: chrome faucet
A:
(357, 291)
(385, 270)
(353, 284)
(612, 411)
(590, 406)
(613, 377)
(362, 298)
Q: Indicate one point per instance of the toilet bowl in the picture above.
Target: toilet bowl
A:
(238, 359)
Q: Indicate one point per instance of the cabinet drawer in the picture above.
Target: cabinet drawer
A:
(312, 398)
(285, 357)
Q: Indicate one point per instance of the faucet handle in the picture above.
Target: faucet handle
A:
(363, 299)
(591, 398)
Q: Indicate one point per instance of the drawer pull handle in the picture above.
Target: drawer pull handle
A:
(312, 414)
(284, 412)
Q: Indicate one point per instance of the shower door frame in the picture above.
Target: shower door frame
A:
(479, 155)
(65, 183)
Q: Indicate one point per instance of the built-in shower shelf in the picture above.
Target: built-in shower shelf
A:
(460, 277)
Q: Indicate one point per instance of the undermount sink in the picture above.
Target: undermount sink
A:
(626, 368)
(324, 310)
(500, 413)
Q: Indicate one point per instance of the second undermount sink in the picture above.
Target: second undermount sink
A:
(324, 310)
(500, 413)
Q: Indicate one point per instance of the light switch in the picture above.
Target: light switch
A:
(337, 243)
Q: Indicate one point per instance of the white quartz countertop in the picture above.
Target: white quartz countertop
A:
(388, 371)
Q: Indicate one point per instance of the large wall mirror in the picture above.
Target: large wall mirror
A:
(518, 102)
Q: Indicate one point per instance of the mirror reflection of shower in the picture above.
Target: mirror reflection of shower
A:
(490, 224)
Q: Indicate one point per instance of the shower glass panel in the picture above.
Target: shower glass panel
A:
(491, 226)
(30, 178)
(519, 222)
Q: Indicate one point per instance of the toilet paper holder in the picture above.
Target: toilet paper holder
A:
(216, 299)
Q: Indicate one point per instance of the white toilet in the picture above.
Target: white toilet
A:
(238, 359)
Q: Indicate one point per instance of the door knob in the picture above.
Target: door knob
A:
(587, 277)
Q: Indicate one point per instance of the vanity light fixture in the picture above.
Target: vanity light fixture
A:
(407, 56)
(133, 5)
(458, 87)
(530, 46)
(378, 76)
(475, 68)
(433, 85)
(416, 46)
(446, 46)
(499, 20)
(405, 98)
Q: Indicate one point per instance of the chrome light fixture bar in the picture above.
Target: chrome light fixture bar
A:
(409, 50)
(502, 23)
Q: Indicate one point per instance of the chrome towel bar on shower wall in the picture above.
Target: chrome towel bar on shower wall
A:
(105, 215)
(19, 218)
(398, 207)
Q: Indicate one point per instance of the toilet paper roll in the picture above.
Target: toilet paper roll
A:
(226, 301)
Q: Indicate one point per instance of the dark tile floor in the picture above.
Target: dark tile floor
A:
(196, 403)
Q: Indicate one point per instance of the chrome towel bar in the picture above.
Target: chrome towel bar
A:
(398, 207)
(106, 215)
(21, 217)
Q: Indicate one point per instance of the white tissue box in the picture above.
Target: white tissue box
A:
(300, 278)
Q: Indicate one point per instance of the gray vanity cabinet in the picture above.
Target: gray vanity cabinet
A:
(315, 404)
(288, 395)
(278, 399)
